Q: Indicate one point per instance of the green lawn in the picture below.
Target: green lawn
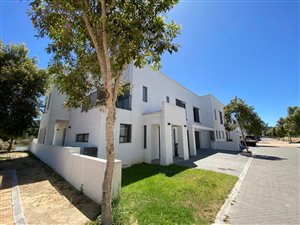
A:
(153, 194)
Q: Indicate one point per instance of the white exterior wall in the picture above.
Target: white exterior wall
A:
(143, 113)
(85, 173)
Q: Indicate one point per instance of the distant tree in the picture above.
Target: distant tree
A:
(93, 42)
(281, 132)
(271, 132)
(292, 122)
(33, 130)
(22, 84)
(238, 113)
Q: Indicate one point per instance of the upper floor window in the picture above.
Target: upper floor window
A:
(82, 137)
(145, 94)
(180, 103)
(125, 133)
(221, 117)
(124, 100)
(196, 113)
(215, 111)
(168, 99)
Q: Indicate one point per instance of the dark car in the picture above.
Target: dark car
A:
(250, 140)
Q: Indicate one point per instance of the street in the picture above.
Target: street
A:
(270, 191)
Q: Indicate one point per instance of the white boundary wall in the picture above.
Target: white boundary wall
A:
(83, 172)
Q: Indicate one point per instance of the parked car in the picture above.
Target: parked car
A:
(250, 140)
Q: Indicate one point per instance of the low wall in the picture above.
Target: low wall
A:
(85, 173)
(227, 145)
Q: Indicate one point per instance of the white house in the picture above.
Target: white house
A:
(157, 120)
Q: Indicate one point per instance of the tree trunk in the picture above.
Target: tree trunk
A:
(10, 144)
(110, 155)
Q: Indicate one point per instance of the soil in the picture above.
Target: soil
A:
(46, 197)
(269, 142)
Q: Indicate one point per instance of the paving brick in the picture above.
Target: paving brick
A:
(270, 191)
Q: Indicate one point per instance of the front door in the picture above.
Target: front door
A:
(197, 139)
(175, 143)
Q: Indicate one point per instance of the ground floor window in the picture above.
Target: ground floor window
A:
(82, 137)
(125, 133)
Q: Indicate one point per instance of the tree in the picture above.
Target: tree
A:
(292, 122)
(238, 114)
(21, 86)
(92, 42)
(280, 130)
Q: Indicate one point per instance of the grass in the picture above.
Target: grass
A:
(153, 194)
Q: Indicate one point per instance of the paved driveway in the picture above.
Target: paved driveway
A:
(229, 162)
(270, 191)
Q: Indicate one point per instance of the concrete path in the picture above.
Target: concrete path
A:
(229, 162)
(6, 201)
(270, 191)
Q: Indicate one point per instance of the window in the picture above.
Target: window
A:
(145, 136)
(215, 114)
(180, 103)
(196, 114)
(48, 102)
(221, 117)
(168, 99)
(124, 101)
(82, 137)
(217, 136)
(145, 94)
(125, 133)
(223, 135)
(220, 135)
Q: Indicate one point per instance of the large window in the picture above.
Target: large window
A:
(196, 113)
(221, 117)
(125, 133)
(145, 94)
(124, 100)
(215, 114)
(180, 103)
(82, 137)
(98, 98)
(217, 135)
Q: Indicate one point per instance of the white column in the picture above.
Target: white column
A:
(192, 141)
(183, 143)
(149, 149)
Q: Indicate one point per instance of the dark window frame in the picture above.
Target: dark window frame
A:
(145, 94)
(217, 135)
(84, 137)
(180, 103)
(196, 114)
(221, 117)
(145, 136)
(167, 99)
(125, 138)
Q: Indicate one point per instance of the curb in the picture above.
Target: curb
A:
(225, 208)
(18, 214)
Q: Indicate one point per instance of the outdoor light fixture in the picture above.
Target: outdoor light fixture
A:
(184, 125)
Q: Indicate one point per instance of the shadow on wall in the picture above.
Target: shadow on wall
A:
(31, 170)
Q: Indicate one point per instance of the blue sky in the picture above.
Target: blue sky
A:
(241, 48)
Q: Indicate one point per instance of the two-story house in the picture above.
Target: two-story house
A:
(157, 119)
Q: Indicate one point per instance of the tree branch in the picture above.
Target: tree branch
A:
(94, 38)
(117, 83)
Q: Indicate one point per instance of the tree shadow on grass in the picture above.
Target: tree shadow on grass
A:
(31, 170)
(142, 171)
